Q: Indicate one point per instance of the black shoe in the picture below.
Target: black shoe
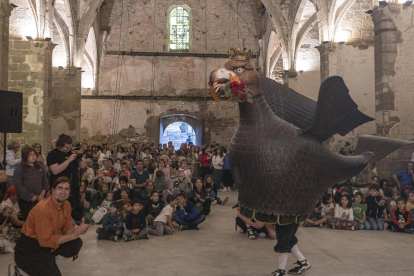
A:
(302, 266)
(196, 227)
(279, 272)
(250, 233)
(183, 227)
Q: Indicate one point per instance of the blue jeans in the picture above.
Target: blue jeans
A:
(376, 224)
(190, 223)
(365, 225)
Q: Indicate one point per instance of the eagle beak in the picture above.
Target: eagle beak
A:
(219, 78)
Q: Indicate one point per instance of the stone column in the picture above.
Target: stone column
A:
(394, 82)
(324, 50)
(5, 11)
(30, 72)
(65, 108)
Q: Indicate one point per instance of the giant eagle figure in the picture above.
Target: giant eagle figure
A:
(278, 161)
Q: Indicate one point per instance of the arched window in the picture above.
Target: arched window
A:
(179, 29)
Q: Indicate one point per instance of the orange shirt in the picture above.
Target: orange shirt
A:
(47, 222)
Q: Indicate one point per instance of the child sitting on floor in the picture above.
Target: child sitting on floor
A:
(103, 210)
(344, 216)
(98, 179)
(375, 206)
(315, 218)
(153, 207)
(10, 227)
(113, 226)
(146, 193)
(328, 209)
(125, 202)
(135, 223)
(163, 222)
(201, 197)
(401, 219)
(359, 212)
(410, 203)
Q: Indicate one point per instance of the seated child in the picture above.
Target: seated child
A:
(315, 219)
(250, 226)
(146, 193)
(214, 199)
(125, 202)
(108, 200)
(375, 206)
(98, 179)
(393, 202)
(187, 216)
(153, 207)
(328, 209)
(113, 226)
(410, 202)
(200, 197)
(163, 222)
(123, 184)
(344, 216)
(10, 227)
(135, 223)
(101, 212)
(170, 189)
(401, 219)
(359, 212)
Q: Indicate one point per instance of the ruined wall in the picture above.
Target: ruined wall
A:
(65, 105)
(142, 26)
(394, 64)
(102, 122)
(30, 72)
(356, 66)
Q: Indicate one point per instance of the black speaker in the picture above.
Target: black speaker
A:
(11, 106)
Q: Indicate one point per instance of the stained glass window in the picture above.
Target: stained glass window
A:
(179, 29)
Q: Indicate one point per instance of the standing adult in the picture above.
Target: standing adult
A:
(218, 166)
(405, 179)
(205, 161)
(40, 157)
(227, 177)
(48, 232)
(12, 161)
(30, 181)
(62, 161)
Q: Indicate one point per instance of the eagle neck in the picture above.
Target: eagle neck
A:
(256, 114)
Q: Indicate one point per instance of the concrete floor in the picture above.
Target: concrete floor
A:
(218, 250)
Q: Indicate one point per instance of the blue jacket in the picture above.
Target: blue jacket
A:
(190, 209)
(226, 162)
(108, 222)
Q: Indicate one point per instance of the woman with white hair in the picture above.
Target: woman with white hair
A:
(12, 161)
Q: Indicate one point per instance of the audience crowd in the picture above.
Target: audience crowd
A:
(142, 189)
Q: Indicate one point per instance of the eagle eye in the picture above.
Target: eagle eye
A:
(238, 70)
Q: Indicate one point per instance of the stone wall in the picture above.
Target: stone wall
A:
(142, 26)
(30, 72)
(65, 113)
(394, 64)
(101, 121)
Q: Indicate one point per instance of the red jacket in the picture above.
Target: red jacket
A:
(203, 160)
(397, 215)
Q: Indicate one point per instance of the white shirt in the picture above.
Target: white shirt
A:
(216, 161)
(326, 208)
(167, 211)
(9, 203)
(339, 211)
(12, 162)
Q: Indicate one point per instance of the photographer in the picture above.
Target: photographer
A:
(64, 161)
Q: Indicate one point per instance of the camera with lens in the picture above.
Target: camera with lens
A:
(79, 155)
